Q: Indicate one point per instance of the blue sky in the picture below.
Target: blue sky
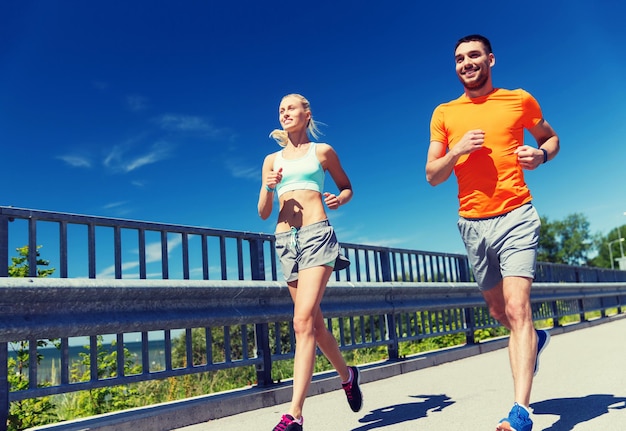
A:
(161, 110)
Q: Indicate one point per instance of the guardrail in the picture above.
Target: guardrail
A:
(367, 314)
(388, 296)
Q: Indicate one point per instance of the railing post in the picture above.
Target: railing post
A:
(262, 340)
(257, 259)
(32, 247)
(555, 315)
(470, 318)
(4, 386)
(4, 246)
(261, 330)
(392, 333)
(581, 307)
(470, 325)
(464, 271)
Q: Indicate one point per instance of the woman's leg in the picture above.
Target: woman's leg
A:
(329, 347)
(307, 294)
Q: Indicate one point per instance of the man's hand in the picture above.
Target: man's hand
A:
(472, 141)
(529, 157)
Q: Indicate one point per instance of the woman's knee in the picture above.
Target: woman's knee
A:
(303, 325)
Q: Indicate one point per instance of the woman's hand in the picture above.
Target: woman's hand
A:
(332, 201)
(273, 178)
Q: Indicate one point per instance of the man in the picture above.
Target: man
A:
(480, 137)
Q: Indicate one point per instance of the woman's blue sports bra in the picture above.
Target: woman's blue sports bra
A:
(305, 173)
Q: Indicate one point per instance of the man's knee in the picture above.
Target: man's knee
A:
(497, 313)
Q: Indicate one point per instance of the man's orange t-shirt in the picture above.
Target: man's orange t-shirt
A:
(491, 181)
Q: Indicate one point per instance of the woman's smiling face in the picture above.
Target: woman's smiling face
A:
(292, 114)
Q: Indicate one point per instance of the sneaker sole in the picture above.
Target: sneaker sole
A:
(540, 351)
(358, 382)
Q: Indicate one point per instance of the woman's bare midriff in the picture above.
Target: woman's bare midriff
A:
(300, 208)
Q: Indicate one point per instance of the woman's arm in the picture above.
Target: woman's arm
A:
(330, 162)
(269, 180)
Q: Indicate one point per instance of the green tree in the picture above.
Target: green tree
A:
(567, 241)
(548, 243)
(106, 399)
(602, 243)
(30, 412)
(19, 265)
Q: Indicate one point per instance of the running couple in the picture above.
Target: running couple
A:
(479, 136)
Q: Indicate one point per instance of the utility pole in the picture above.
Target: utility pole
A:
(621, 240)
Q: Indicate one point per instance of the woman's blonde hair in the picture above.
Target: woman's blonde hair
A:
(281, 136)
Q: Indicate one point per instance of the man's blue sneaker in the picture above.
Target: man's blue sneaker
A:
(543, 338)
(518, 420)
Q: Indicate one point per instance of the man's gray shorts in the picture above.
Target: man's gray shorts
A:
(502, 246)
(312, 245)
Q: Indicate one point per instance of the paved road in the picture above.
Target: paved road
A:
(581, 386)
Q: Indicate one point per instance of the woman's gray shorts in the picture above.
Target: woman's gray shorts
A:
(312, 245)
(502, 246)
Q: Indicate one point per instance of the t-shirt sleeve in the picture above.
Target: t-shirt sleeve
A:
(531, 109)
(437, 128)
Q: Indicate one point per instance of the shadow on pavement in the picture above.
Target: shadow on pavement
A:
(573, 411)
(399, 413)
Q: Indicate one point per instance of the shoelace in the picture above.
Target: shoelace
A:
(285, 421)
(348, 389)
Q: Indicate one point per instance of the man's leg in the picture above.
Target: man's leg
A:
(509, 303)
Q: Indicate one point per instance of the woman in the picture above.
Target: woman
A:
(306, 244)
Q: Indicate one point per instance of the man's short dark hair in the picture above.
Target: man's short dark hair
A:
(475, 38)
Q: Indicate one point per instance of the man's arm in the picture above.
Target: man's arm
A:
(440, 164)
(547, 139)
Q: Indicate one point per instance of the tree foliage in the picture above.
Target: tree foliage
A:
(35, 411)
(612, 240)
(19, 264)
(106, 399)
(567, 241)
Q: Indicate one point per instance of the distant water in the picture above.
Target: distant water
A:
(49, 369)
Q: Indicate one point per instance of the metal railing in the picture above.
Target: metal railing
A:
(164, 281)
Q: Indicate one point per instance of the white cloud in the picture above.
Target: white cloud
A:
(153, 254)
(115, 204)
(115, 154)
(188, 123)
(76, 161)
(118, 161)
(109, 272)
(238, 170)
